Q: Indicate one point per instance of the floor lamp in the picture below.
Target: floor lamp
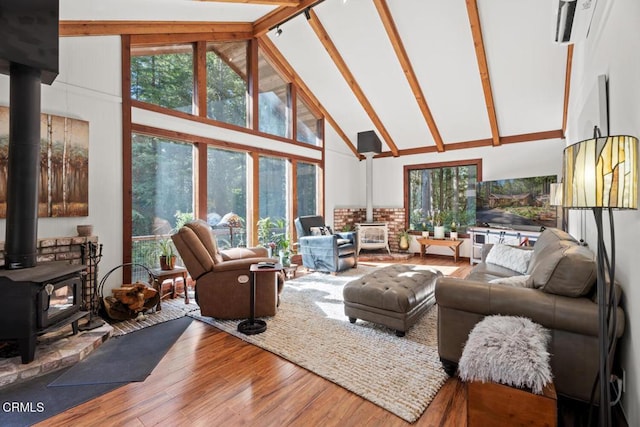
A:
(602, 174)
(555, 199)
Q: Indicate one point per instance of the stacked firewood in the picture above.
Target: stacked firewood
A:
(134, 296)
(128, 301)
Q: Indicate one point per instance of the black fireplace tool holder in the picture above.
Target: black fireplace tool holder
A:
(91, 255)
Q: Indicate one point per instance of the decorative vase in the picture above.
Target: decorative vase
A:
(84, 230)
(438, 232)
(425, 234)
(167, 262)
(404, 243)
(454, 235)
(269, 252)
(285, 258)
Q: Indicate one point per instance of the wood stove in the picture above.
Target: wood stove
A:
(373, 235)
(33, 298)
(38, 300)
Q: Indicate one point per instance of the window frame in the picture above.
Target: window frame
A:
(407, 169)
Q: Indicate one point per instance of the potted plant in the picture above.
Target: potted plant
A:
(405, 240)
(438, 225)
(424, 229)
(285, 253)
(167, 257)
(454, 231)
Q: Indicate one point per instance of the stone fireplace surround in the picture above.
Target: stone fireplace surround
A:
(394, 217)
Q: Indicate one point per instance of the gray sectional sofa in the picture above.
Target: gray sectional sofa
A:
(557, 290)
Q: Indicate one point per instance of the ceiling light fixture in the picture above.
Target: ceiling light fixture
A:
(306, 11)
(278, 31)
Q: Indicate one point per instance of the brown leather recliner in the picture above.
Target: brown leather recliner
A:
(222, 290)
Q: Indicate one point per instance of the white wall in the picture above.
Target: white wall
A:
(612, 49)
(88, 88)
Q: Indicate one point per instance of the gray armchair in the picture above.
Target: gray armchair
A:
(327, 253)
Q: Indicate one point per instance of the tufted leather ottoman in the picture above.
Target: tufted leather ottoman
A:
(394, 296)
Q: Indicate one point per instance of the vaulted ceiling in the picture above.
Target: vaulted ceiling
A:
(426, 75)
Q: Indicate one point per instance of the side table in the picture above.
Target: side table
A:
(176, 273)
(252, 325)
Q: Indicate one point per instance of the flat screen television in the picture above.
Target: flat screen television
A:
(519, 203)
(29, 36)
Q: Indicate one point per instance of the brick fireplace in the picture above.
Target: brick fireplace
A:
(394, 217)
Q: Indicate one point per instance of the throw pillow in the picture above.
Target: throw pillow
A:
(326, 230)
(516, 281)
(316, 231)
(510, 257)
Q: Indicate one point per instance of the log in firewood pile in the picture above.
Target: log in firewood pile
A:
(129, 300)
(134, 296)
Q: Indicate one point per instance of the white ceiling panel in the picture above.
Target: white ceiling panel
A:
(357, 31)
(527, 69)
(160, 10)
(437, 37)
(302, 49)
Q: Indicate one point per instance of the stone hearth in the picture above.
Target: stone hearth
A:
(55, 350)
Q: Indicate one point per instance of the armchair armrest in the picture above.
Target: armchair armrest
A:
(350, 235)
(239, 264)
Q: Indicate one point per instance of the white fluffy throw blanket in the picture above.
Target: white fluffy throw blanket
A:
(508, 350)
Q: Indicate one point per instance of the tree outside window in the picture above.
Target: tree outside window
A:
(227, 82)
(442, 193)
(163, 75)
(273, 100)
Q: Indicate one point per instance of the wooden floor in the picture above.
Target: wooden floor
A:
(212, 378)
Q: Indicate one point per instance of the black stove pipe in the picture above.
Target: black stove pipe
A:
(23, 167)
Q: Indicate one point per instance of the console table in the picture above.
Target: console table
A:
(507, 236)
(454, 245)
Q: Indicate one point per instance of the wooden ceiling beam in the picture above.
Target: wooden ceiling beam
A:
(567, 87)
(272, 51)
(290, 3)
(476, 32)
(488, 142)
(105, 28)
(331, 49)
(407, 68)
(280, 15)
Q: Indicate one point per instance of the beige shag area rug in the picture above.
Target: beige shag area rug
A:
(171, 309)
(401, 375)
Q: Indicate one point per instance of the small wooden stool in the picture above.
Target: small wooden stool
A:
(493, 404)
(498, 395)
(175, 273)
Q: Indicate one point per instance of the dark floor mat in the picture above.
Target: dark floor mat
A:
(128, 358)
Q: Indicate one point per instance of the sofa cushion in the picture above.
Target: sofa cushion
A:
(570, 271)
(510, 257)
(550, 238)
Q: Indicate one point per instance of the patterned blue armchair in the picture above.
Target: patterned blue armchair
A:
(325, 252)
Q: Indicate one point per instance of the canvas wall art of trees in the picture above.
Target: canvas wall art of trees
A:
(64, 165)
